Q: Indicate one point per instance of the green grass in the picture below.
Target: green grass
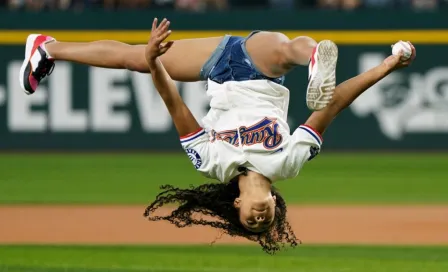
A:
(135, 178)
(222, 259)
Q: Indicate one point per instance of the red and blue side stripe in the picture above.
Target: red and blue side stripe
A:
(191, 136)
(316, 135)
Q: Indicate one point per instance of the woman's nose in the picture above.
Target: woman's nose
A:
(259, 218)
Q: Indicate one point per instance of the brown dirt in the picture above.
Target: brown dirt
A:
(312, 224)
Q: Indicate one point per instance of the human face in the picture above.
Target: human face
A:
(256, 213)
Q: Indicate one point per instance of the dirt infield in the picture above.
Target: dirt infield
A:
(312, 224)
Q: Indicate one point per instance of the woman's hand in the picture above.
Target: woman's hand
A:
(394, 62)
(155, 46)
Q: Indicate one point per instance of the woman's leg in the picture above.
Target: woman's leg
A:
(183, 61)
(274, 54)
(279, 55)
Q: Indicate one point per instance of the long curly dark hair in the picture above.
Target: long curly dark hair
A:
(216, 200)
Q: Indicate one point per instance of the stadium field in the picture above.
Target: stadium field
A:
(221, 259)
(135, 178)
(354, 212)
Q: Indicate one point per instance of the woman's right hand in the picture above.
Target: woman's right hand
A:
(155, 47)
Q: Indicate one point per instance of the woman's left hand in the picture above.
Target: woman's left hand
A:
(155, 47)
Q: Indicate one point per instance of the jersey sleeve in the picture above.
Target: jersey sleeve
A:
(304, 146)
(197, 146)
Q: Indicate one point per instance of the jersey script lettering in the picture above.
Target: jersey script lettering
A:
(265, 132)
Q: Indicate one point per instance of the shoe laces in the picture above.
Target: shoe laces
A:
(45, 68)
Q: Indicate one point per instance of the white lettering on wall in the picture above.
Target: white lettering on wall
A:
(62, 116)
(108, 109)
(154, 116)
(105, 95)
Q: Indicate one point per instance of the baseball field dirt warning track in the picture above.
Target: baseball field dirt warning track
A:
(398, 225)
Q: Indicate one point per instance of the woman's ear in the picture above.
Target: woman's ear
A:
(237, 203)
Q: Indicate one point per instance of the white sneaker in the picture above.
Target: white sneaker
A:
(322, 75)
(37, 63)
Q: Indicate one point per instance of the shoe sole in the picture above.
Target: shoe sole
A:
(25, 70)
(322, 84)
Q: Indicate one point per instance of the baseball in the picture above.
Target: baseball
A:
(402, 46)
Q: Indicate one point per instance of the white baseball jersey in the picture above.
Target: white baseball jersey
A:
(246, 126)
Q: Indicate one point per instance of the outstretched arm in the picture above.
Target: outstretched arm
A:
(182, 117)
(346, 92)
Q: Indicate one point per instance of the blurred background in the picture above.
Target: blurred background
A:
(221, 5)
(81, 158)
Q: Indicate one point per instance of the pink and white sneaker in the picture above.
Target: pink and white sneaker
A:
(37, 64)
(322, 75)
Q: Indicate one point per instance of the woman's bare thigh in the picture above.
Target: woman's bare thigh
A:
(264, 48)
(186, 57)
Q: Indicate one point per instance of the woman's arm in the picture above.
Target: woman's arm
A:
(346, 92)
(183, 119)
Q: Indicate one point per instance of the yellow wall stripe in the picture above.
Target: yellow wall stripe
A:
(368, 37)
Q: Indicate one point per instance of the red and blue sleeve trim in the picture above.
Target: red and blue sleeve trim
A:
(191, 136)
(316, 135)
